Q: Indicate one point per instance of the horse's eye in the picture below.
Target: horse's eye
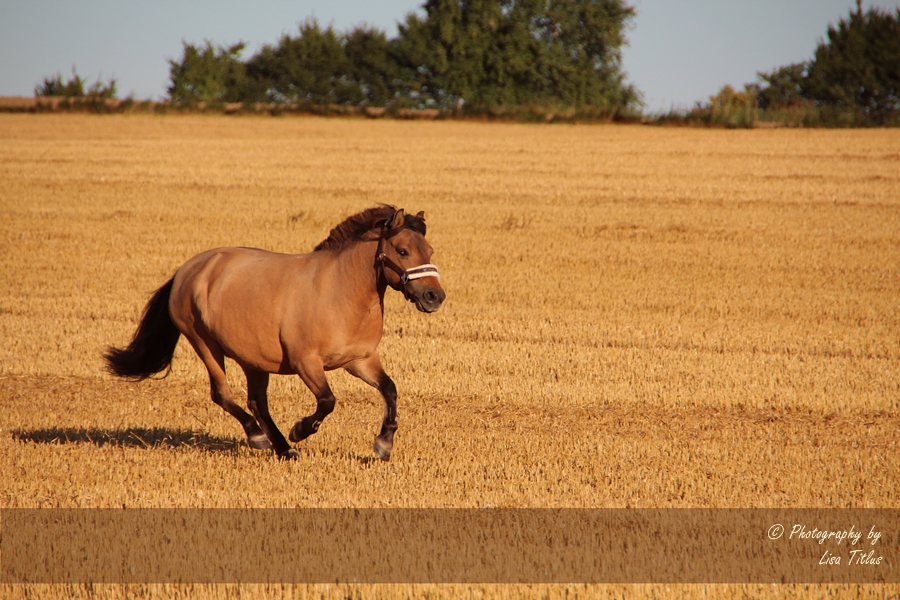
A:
(403, 252)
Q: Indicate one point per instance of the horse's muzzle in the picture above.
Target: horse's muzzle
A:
(429, 299)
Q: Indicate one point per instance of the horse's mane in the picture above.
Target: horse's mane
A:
(354, 228)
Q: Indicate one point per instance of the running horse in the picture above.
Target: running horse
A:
(290, 314)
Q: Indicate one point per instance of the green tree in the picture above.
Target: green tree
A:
(858, 67)
(443, 52)
(208, 74)
(372, 75)
(782, 87)
(583, 41)
(75, 87)
(307, 68)
(504, 52)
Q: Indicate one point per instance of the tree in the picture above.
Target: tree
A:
(74, 87)
(372, 75)
(859, 66)
(782, 87)
(506, 52)
(208, 74)
(306, 68)
(583, 40)
(445, 53)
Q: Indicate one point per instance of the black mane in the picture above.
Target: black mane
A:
(354, 228)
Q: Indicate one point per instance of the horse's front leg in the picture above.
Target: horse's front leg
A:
(371, 371)
(384, 441)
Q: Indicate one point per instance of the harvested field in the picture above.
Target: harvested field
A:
(636, 317)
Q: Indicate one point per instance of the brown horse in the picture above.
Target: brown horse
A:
(290, 314)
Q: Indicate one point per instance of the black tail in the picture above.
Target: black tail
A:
(153, 345)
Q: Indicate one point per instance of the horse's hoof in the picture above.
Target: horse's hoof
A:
(259, 441)
(382, 449)
(304, 428)
(289, 454)
(297, 434)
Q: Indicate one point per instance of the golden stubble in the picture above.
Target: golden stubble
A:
(636, 316)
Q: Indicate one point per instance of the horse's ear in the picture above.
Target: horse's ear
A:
(397, 221)
(421, 214)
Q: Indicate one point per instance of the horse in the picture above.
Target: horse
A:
(290, 314)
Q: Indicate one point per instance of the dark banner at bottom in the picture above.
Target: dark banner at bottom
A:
(450, 545)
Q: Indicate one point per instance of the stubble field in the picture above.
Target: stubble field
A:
(635, 317)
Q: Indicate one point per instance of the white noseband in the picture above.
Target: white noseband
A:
(419, 272)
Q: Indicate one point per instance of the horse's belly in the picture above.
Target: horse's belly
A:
(345, 341)
(244, 312)
(337, 360)
(258, 354)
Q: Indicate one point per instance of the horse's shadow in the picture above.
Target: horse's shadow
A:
(131, 437)
(155, 437)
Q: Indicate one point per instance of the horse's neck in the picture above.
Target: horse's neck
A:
(358, 277)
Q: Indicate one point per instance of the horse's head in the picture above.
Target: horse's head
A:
(405, 255)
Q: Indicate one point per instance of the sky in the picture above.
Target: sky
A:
(679, 52)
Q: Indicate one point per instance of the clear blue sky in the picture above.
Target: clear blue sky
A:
(679, 52)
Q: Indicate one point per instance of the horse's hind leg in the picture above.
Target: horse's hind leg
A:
(257, 383)
(371, 371)
(313, 375)
(214, 358)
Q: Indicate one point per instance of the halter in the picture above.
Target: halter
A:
(406, 275)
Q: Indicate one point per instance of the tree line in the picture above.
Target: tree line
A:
(476, 54)
(546, 56)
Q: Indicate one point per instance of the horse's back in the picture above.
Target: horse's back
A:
(249, 273)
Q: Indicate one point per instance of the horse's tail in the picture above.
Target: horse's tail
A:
(153, 344)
